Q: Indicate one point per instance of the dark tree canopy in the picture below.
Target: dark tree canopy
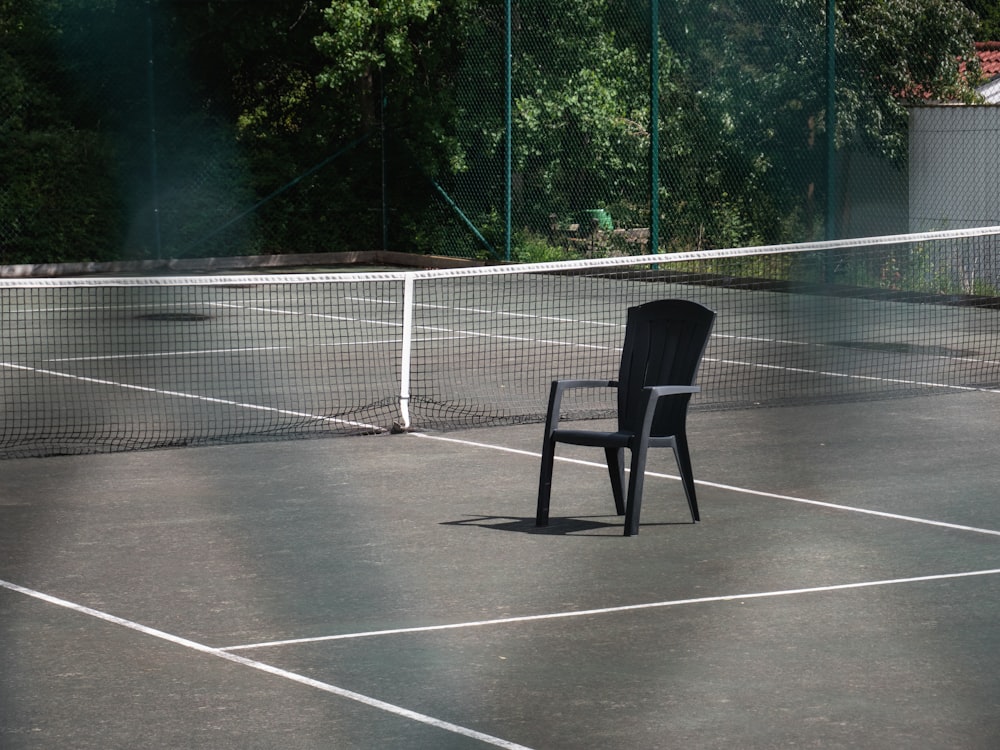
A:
(344, 107)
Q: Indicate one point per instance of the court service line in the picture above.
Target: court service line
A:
(621, 608)
(266, 668)
(727, 487)
(453, 332)
(239, 350)
(582, 345)
(832, 374)
(193, 396)
(178, 353)
(735, 337)
(529, 316)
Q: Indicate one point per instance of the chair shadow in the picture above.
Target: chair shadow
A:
(579, 526)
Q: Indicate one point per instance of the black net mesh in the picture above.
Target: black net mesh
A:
(115, 364)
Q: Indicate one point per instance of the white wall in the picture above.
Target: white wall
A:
(954, 167)
(954, 184)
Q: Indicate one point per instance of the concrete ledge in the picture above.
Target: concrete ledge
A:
(236, 263)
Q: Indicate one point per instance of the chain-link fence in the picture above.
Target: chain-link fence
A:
(505, 130)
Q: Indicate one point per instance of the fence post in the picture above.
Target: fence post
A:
(831, 119)
(654, 126)
(508, 127)
(151, 96)
(382, 158)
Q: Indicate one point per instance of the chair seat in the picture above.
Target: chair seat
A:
(617, 439)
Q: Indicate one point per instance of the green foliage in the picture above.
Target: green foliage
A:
(580, 113)
(528, 247)
(918, 47)
(929, 270)
(363, 37)
(57, 195)
(988, 12)
(249, 98)
(57, 203)
(745, 102)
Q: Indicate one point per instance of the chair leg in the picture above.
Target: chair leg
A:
(637, 476)
(616, 468)
(545, 482)
(683, 456)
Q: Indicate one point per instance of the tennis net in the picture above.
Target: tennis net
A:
(105, 364)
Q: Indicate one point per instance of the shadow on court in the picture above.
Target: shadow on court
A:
(556, 527)
(842, 590)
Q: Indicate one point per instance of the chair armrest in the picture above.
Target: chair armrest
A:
(658, 391)
(556, 393)
(564, 385)
(654, 394)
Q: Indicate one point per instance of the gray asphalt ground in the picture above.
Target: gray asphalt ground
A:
(842, 591)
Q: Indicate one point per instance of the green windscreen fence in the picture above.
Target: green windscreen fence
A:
(520, 130)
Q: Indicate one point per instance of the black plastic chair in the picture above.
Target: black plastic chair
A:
(664, 343)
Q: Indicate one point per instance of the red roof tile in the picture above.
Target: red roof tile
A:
(989, 59)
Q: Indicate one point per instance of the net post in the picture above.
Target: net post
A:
(403, 423)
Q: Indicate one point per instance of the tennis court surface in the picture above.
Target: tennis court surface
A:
(842, 590)
(389, 589)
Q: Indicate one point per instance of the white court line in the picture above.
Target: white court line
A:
(266, 668)
(735, 337)
(831, 374)
(242, 349)
(821, 345)
(457, 332)
(622, 608)
(574, 344)
(727, 487)
(492, 313)
(530, 316)
(178, 353)
(193, 396)
(454, 332)
(300, 313)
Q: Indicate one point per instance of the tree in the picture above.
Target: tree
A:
(336, 99)
(989, 19)
(755, 72)
(581, 104)
(400, 53)
(58, 194)
(896, 53)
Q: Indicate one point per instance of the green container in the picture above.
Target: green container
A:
(602, 217)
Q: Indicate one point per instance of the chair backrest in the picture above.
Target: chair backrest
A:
(664, 342)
